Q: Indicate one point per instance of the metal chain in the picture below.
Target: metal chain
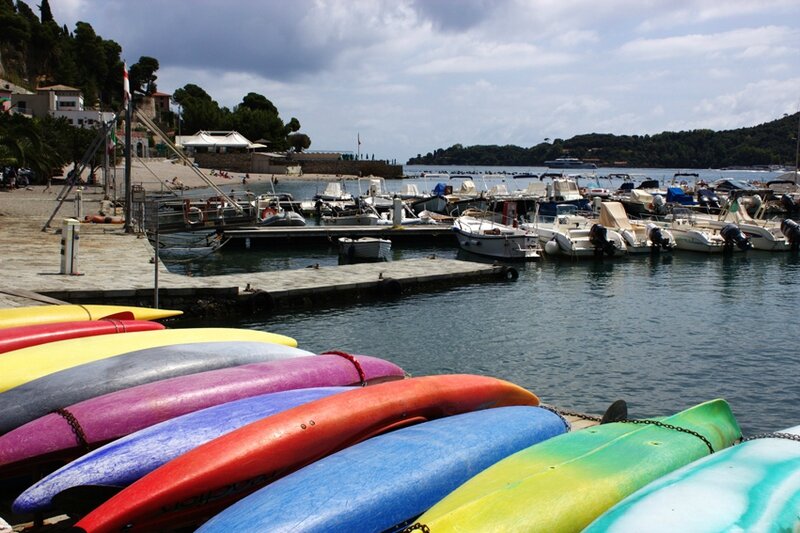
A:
(76, 427)
(559, 415)
(564, 412)
(643, 422)
(414, 527)
(776, 435)
(675, 428)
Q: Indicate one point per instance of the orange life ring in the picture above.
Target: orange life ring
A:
(268, 211)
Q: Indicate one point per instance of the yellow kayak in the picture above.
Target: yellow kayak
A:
(46, 314)
(21, 366)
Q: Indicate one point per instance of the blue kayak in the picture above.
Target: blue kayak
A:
(386, 481)
(123, 461)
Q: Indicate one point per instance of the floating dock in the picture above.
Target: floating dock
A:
(252, 237)
(117, 268)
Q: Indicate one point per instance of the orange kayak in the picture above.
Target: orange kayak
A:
(201, 482)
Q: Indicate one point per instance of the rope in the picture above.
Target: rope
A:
(656, 423)
(88, 313)
(119, 327)
(361, 375)
(76, 427)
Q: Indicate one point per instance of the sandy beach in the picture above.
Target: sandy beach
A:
(155, 175)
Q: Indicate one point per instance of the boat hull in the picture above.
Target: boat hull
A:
(239, 462)
(365, 248)
(120, 463)
(749, 487)
(24, 336)
(491, 239)
(58, 390)
(383, 482)
(110, 416)
(47, 314)
(564, 483)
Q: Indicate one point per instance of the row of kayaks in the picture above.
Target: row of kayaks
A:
(234, 430)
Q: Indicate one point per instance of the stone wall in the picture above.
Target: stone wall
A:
(239, 162)
(353, 168)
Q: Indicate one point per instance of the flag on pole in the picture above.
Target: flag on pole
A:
(359, 139)
(126, 86)
(112, 139)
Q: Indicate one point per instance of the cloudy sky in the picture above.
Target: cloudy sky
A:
(410, 76)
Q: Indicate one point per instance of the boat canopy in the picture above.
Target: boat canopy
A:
(677, 195)
(612, 215)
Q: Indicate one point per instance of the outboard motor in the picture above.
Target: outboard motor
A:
(791, 230)
(659, 205)
(735, 237)
(707, 198)
(656, 237)
(788, 203)
(598, 236)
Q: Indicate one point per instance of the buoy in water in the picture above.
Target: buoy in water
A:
(551, 248)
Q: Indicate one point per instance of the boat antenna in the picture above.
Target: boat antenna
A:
(797, 148)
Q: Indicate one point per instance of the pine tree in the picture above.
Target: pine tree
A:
(46, 13)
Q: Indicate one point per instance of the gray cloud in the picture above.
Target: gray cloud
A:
(456, 15)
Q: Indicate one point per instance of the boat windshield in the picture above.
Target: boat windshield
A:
(566, 210)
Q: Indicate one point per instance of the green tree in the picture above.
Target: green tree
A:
(142, 75)
(47, 14)
(198, 110)
(299, 141)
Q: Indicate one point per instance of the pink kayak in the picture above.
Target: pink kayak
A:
(68, 434)
(24, 336)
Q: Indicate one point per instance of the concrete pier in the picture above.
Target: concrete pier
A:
(116, 268)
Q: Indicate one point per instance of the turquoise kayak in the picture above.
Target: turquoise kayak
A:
(753, 486)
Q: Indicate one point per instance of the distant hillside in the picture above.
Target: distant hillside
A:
(771, 143)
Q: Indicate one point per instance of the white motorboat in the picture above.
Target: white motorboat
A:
(365, 249)
(334, 192)
(689, 235)
(270, 213)
(489, 238)
(638, 238)
(576, 236)
(763, 234)
(359, 218)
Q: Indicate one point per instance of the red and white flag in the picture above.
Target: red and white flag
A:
(126, 87)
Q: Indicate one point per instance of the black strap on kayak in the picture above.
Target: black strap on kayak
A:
(76, 427)
(361, 375)
(613, 415)
(775, 435)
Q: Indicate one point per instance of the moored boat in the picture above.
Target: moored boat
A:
(365, 249)
(492, 239)
(574, 235)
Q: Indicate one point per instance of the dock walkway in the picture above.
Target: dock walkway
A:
(117, 268)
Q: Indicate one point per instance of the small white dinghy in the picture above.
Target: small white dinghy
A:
(365, 249)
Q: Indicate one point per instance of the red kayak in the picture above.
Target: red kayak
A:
(214, 475)
(24, 336)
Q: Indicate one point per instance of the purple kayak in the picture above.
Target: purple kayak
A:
(64, 436)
